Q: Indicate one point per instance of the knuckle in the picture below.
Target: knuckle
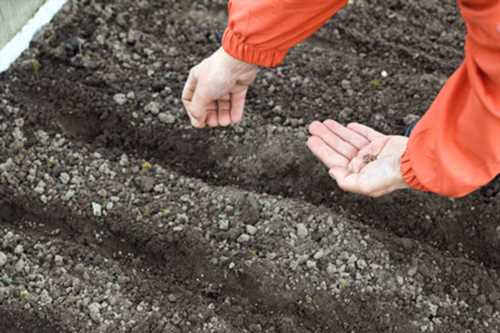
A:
(351, 154)
(193, 71)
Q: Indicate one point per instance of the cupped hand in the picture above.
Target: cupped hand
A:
(215, 91)
(360, 159)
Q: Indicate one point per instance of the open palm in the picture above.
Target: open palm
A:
(360, 159)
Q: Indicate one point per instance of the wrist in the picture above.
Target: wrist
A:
(236, 65)
(402, 184)
(399, 182)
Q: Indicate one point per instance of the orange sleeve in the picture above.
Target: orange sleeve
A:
(455, 148)
(261, 32)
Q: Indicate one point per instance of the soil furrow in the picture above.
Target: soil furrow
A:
(256, 163)
(174, 262)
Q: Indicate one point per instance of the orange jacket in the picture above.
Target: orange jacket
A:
(455, 148)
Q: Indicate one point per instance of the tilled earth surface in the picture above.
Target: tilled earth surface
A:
(116, 216)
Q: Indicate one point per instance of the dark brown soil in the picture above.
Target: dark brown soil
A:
(19, 321)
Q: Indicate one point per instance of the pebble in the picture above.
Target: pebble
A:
(153, 108)
(412, 271)
(243, 238)
(410, 119)
(120, 99)
(302, 230)
(331, 269)
(487, 310)
(251, 230)
(497, 305)
(171, 298)
(40, 188)
(311, 264)
(166, 118)
(361, 264)
(95, 312)
(68, 195)
(58, 260)
(96, 209)
(223, 224)
(124, 160)
(160, 188)
(3, 259)
(400, 280)
(20, 265)
(318, 255)
(65, 178)
(19, 249)
(255, 328)
(494, 296)
(45, 297)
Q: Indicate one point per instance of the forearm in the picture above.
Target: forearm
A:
(455, 148)
(261, 32)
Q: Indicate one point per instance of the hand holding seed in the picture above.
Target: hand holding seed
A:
(360, 159)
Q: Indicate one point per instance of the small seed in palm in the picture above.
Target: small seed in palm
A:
(369, 158)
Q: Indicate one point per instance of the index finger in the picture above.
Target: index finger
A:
(365, 131)
(238, 105)
(348, 135)
(189, 88)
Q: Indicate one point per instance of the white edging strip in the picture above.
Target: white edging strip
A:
(21, 41)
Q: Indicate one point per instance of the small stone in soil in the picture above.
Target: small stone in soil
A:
(96, 209)
(166, 118)
(120, 99)
(3, 259)
(19, 249)
(251, 229)
(223, 224)
(243, 238)
(302, 230)
(153, 108)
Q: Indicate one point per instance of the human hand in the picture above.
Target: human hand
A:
(215, 91)
(360, 159)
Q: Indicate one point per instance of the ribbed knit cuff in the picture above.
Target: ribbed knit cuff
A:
(234, 45)
(409, 175)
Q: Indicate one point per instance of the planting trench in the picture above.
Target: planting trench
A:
(255, 162)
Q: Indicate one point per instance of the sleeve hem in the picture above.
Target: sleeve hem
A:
(409, 175)
(235, 46)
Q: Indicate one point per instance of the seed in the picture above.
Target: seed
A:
(369, 158)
